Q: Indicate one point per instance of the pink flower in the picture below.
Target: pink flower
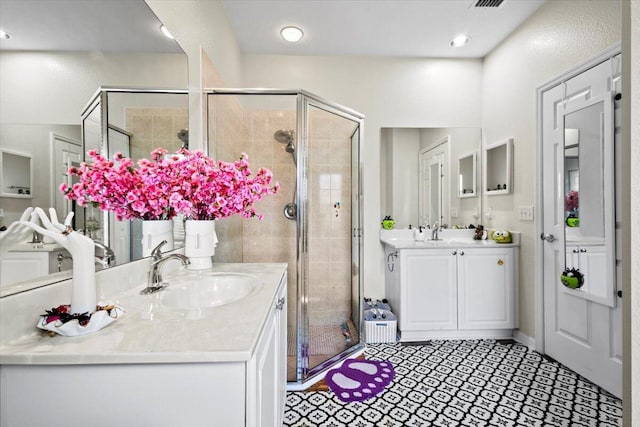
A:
(187, 182)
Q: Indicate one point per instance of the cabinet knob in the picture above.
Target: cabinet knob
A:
(461, 253)
(454, 253)
(575, 251)
(583, 250)
(500, 262)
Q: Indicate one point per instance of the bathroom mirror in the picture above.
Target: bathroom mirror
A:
(406, 197)
(587, 197)
(467, 172)
(60, 53)
(498, 167)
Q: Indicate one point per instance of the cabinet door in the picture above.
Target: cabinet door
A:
(429, 297)
(486, 289)
(266, 374)
(281, 355)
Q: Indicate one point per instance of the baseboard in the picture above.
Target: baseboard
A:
(524, 339)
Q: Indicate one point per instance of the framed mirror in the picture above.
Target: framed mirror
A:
(409, 198)
(467, 175)
(498, 167)
(60, 53)
(587, 199)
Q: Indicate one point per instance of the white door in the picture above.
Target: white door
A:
(66, 153)
(582, 327)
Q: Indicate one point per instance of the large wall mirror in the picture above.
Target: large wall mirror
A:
(429, 175)
(59, 54)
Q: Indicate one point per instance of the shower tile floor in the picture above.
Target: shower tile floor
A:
(471, 383)
(325, 341)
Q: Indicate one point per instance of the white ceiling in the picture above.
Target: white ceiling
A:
(83, 25)
(417, 28)
(414, 28)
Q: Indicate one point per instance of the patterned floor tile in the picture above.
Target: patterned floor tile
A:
(472, 383)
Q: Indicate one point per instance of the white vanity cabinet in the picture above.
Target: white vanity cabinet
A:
(453, 292)
(19, 266)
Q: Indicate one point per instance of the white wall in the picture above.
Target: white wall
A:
(559, 35)
(32, 139)
(201, 26)
(54, 87)
(390, 92)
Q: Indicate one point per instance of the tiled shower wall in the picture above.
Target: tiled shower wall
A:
(234, 129)
(153, 128)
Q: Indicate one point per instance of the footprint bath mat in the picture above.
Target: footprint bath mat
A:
(358, 379)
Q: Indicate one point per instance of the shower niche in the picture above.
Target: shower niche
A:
(313, 224)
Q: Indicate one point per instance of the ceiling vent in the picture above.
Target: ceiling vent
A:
(487, 3)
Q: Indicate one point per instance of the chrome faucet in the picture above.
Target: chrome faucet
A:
(434, 230)
(155, 282)
(107, 257)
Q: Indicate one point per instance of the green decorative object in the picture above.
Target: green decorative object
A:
(572, 278)
(388, 223)
(573, 221)
(501, 236)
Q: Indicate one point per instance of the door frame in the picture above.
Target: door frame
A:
(605, 55)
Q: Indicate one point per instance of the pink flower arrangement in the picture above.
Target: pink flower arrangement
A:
(187, 182)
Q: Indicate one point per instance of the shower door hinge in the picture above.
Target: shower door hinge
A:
(357, 232)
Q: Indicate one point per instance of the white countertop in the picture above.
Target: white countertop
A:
(151, 333)
(449, 238)
(444, 244)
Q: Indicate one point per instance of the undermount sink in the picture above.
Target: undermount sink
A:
(196, 290)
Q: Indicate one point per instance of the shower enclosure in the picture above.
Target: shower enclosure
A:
(312, 146)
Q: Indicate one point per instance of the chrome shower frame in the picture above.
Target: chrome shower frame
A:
(304, 100)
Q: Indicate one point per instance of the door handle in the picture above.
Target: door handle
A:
(548, 237)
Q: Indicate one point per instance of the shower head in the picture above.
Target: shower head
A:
(290, 148)
(284, 136)
(183, 136)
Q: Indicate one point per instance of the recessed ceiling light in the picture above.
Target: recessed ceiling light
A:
(166, 32)
(460, 40)
(291, 34)
(4, 36)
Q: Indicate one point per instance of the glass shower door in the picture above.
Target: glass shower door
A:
(331, 253)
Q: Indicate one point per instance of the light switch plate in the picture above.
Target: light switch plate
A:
(453, 212)
(526, 213)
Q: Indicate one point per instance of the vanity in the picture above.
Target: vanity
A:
(174, 358)
(453, 288)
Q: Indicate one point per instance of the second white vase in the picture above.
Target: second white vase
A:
(200, 243)
(154, 232)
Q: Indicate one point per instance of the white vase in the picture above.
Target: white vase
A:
(154, 232)
(200, 243)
